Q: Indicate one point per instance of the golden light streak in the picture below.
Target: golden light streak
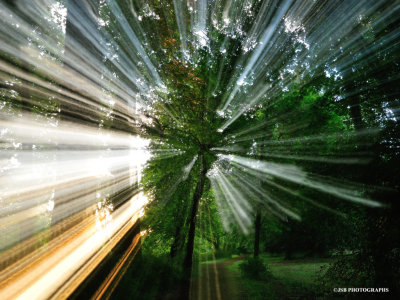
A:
(86, 249)
(58, 216)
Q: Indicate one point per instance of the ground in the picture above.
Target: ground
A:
(216, 281)
(294, 279)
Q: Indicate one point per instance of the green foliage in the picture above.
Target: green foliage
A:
(352, 270)
(149, 277)
(254, 268)
(286, 280)
(359, 270)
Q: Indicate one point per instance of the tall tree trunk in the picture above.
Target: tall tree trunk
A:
(257, 226)
(257, 221)
(176, 245)
(378, 245)
(354, 103)
(180, 221)
(188, 262)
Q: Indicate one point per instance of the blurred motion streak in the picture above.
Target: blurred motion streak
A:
(56, 271)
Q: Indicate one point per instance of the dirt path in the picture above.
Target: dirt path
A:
(215, 281)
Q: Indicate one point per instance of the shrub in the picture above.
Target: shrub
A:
(222, 253)
(358, 270)
(254, 268)
(347, 271)
(242, 250)
(355, 269)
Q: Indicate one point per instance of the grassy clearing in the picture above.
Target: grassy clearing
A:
(290, 279)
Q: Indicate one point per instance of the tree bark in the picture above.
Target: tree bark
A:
(257, 221)
(354, 104)
(257, 226)
(188, 262)
(176, 245)
(378, 245)
(180, 220)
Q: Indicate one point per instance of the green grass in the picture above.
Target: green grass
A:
(235, 266)
(303, 272)
(289, 278)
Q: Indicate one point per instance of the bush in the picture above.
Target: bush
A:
(358, 270)
(242, 250)
(353, 269)
(347, 271)
(254, 268)
(149, 277)
(222, 253)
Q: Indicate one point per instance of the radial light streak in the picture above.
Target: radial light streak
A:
(329, 43)
(59, 181)
(62, 167)
(296, 175)
(237, 205)
(49, 276)
(259, 51)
